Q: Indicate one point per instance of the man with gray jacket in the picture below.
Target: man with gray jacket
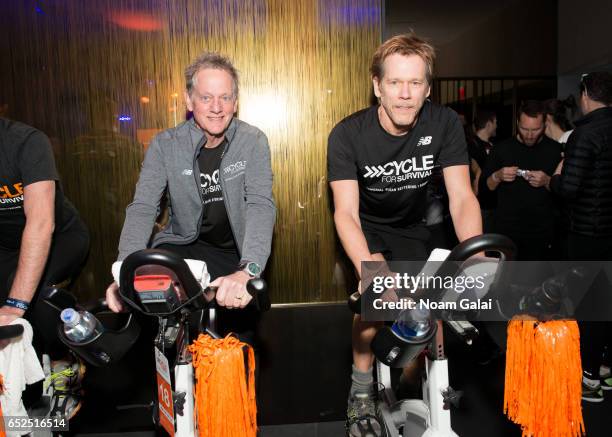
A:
(217, 174)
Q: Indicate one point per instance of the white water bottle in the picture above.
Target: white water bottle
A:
(80, 326)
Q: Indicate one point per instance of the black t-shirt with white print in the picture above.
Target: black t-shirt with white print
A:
(216, 229)
(26, 157)
(393, 171)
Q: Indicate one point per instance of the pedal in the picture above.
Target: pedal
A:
(451, 397)
(179, 402)
(465, 330)
(134, 406)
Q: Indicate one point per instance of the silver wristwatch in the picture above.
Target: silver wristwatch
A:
(250, 268)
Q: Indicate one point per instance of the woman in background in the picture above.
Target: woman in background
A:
(558, 125)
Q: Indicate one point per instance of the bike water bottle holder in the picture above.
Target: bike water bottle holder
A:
(109, 346)
(120, 330)
(396, 351)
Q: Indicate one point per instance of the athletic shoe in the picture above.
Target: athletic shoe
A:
(361, 418)
(592, 394)
(606, 384)
(606, 378)
(64, 388)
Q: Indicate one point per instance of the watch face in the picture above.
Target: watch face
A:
(253, 269)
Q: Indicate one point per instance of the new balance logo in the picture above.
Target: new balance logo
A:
(424, 141)
(187, 172)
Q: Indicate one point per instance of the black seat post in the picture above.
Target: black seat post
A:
(182, 340)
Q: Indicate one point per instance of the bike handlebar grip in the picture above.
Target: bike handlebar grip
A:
(10, 331)
(258, 288)
(354, 302)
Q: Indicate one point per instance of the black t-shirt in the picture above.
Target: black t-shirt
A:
(216, 229)
(26, 157)
(393, 171)
(478, 150)
(521, 208)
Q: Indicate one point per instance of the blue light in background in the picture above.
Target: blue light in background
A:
(359, 14)
(125, 118)
(354, 15)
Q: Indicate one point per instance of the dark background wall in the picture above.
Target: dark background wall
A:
(583, 41)
(483, 38)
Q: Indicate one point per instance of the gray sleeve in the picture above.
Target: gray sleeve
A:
(260, 209)
(141, 213)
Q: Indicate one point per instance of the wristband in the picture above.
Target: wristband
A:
(16, 303)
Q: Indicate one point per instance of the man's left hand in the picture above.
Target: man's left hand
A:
(232, 292)
(537, 178)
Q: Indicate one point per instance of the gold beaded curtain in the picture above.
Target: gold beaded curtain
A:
(100, 78)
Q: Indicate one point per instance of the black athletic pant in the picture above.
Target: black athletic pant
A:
(593, 335)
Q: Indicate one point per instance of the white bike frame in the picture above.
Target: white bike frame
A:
(425, 417)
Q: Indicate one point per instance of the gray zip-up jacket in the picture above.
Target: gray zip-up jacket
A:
(171, 163)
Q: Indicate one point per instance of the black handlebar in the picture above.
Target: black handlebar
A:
(461, 252)
(257, 289)
(158, 257)
(196, 297)
(474, 245)
(482, 243)
(10, 331)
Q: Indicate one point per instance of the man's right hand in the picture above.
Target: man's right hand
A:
(506, 174)
(113, 300)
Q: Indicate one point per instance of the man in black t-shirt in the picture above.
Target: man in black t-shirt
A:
(519, 170)
(380, 161)
(42, 242)
(479, 145)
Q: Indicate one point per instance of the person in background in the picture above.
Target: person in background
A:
(559, 128)
(584, 181)
(519, 170)
(558, 125)
(479, 148)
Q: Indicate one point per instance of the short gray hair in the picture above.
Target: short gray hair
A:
(210, 60)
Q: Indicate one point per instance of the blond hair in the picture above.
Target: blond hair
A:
(406, 44)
